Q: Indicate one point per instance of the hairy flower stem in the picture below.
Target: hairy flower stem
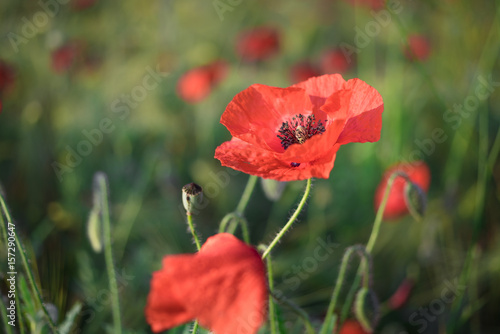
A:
(24, 259)
(198, 247)
(102, 185)
(272, 306)
(193, 232)
(371, 241)
(290, 221)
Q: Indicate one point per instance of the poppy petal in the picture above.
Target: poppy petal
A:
(320, 88)
(364, 115)
(256, 114)
(223, 286)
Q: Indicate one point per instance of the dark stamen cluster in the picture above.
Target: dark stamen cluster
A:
(299, 129)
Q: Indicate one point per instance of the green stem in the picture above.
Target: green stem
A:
(29, 273)
(247, 193)
(290, 221)
(193, 232)
(108, 254)
(272, 307)
(365, 263)
(371, 241)
(195, 327)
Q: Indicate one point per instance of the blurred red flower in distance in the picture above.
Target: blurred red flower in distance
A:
(303, 71)
(197, 83)
(418, 173)
(258, 44)
(418, 48)
(294, 133)
(224, 286)
(402, 294)
(64, 57)
(373, 4)
(7, 77)
(352, 327)
(334, 61)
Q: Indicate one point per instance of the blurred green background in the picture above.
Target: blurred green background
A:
(162, 143)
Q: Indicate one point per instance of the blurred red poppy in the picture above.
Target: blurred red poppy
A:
(303, 71)
(78, 5)
(7, 76)
(373, 4)
(258, 44)
(294, 133)
(65, 56)
(352, 327)
(224, 286)
(197, 83)
(418, 173)
(418, 48)
(334, 61)
(402, 294)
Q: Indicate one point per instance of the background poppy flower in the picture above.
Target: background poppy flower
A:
(418, 48)
(7, 75)
(402, 294)
(223, 286)
(303, 71)
(65, 56)
(197, 83)
(334, 61)
(352, 327)
(373, 4)
(257, 44)
(396, 207)
(294, 133)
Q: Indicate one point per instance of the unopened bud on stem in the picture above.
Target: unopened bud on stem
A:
(192, 194)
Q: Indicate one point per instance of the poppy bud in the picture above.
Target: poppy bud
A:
(415, 200)
(366, 309)
(192, 194)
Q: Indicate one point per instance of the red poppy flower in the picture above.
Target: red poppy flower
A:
(303, 71)
(418, 173)
(400, 297)
(197, 83)
(352, 327)
(418, 48)
(334, 61)
(373, 4)
(257, 44)
(65, 56)
(7, 75)
(223, 286)
(294, 133)
(79, 5)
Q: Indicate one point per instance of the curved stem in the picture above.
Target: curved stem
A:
(340, 281)
(193, 232)
(29, 273)
(371, 241)
(108, 253)
(247, 193)
(290, 221)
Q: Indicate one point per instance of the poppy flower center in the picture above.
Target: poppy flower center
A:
(299, 129)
